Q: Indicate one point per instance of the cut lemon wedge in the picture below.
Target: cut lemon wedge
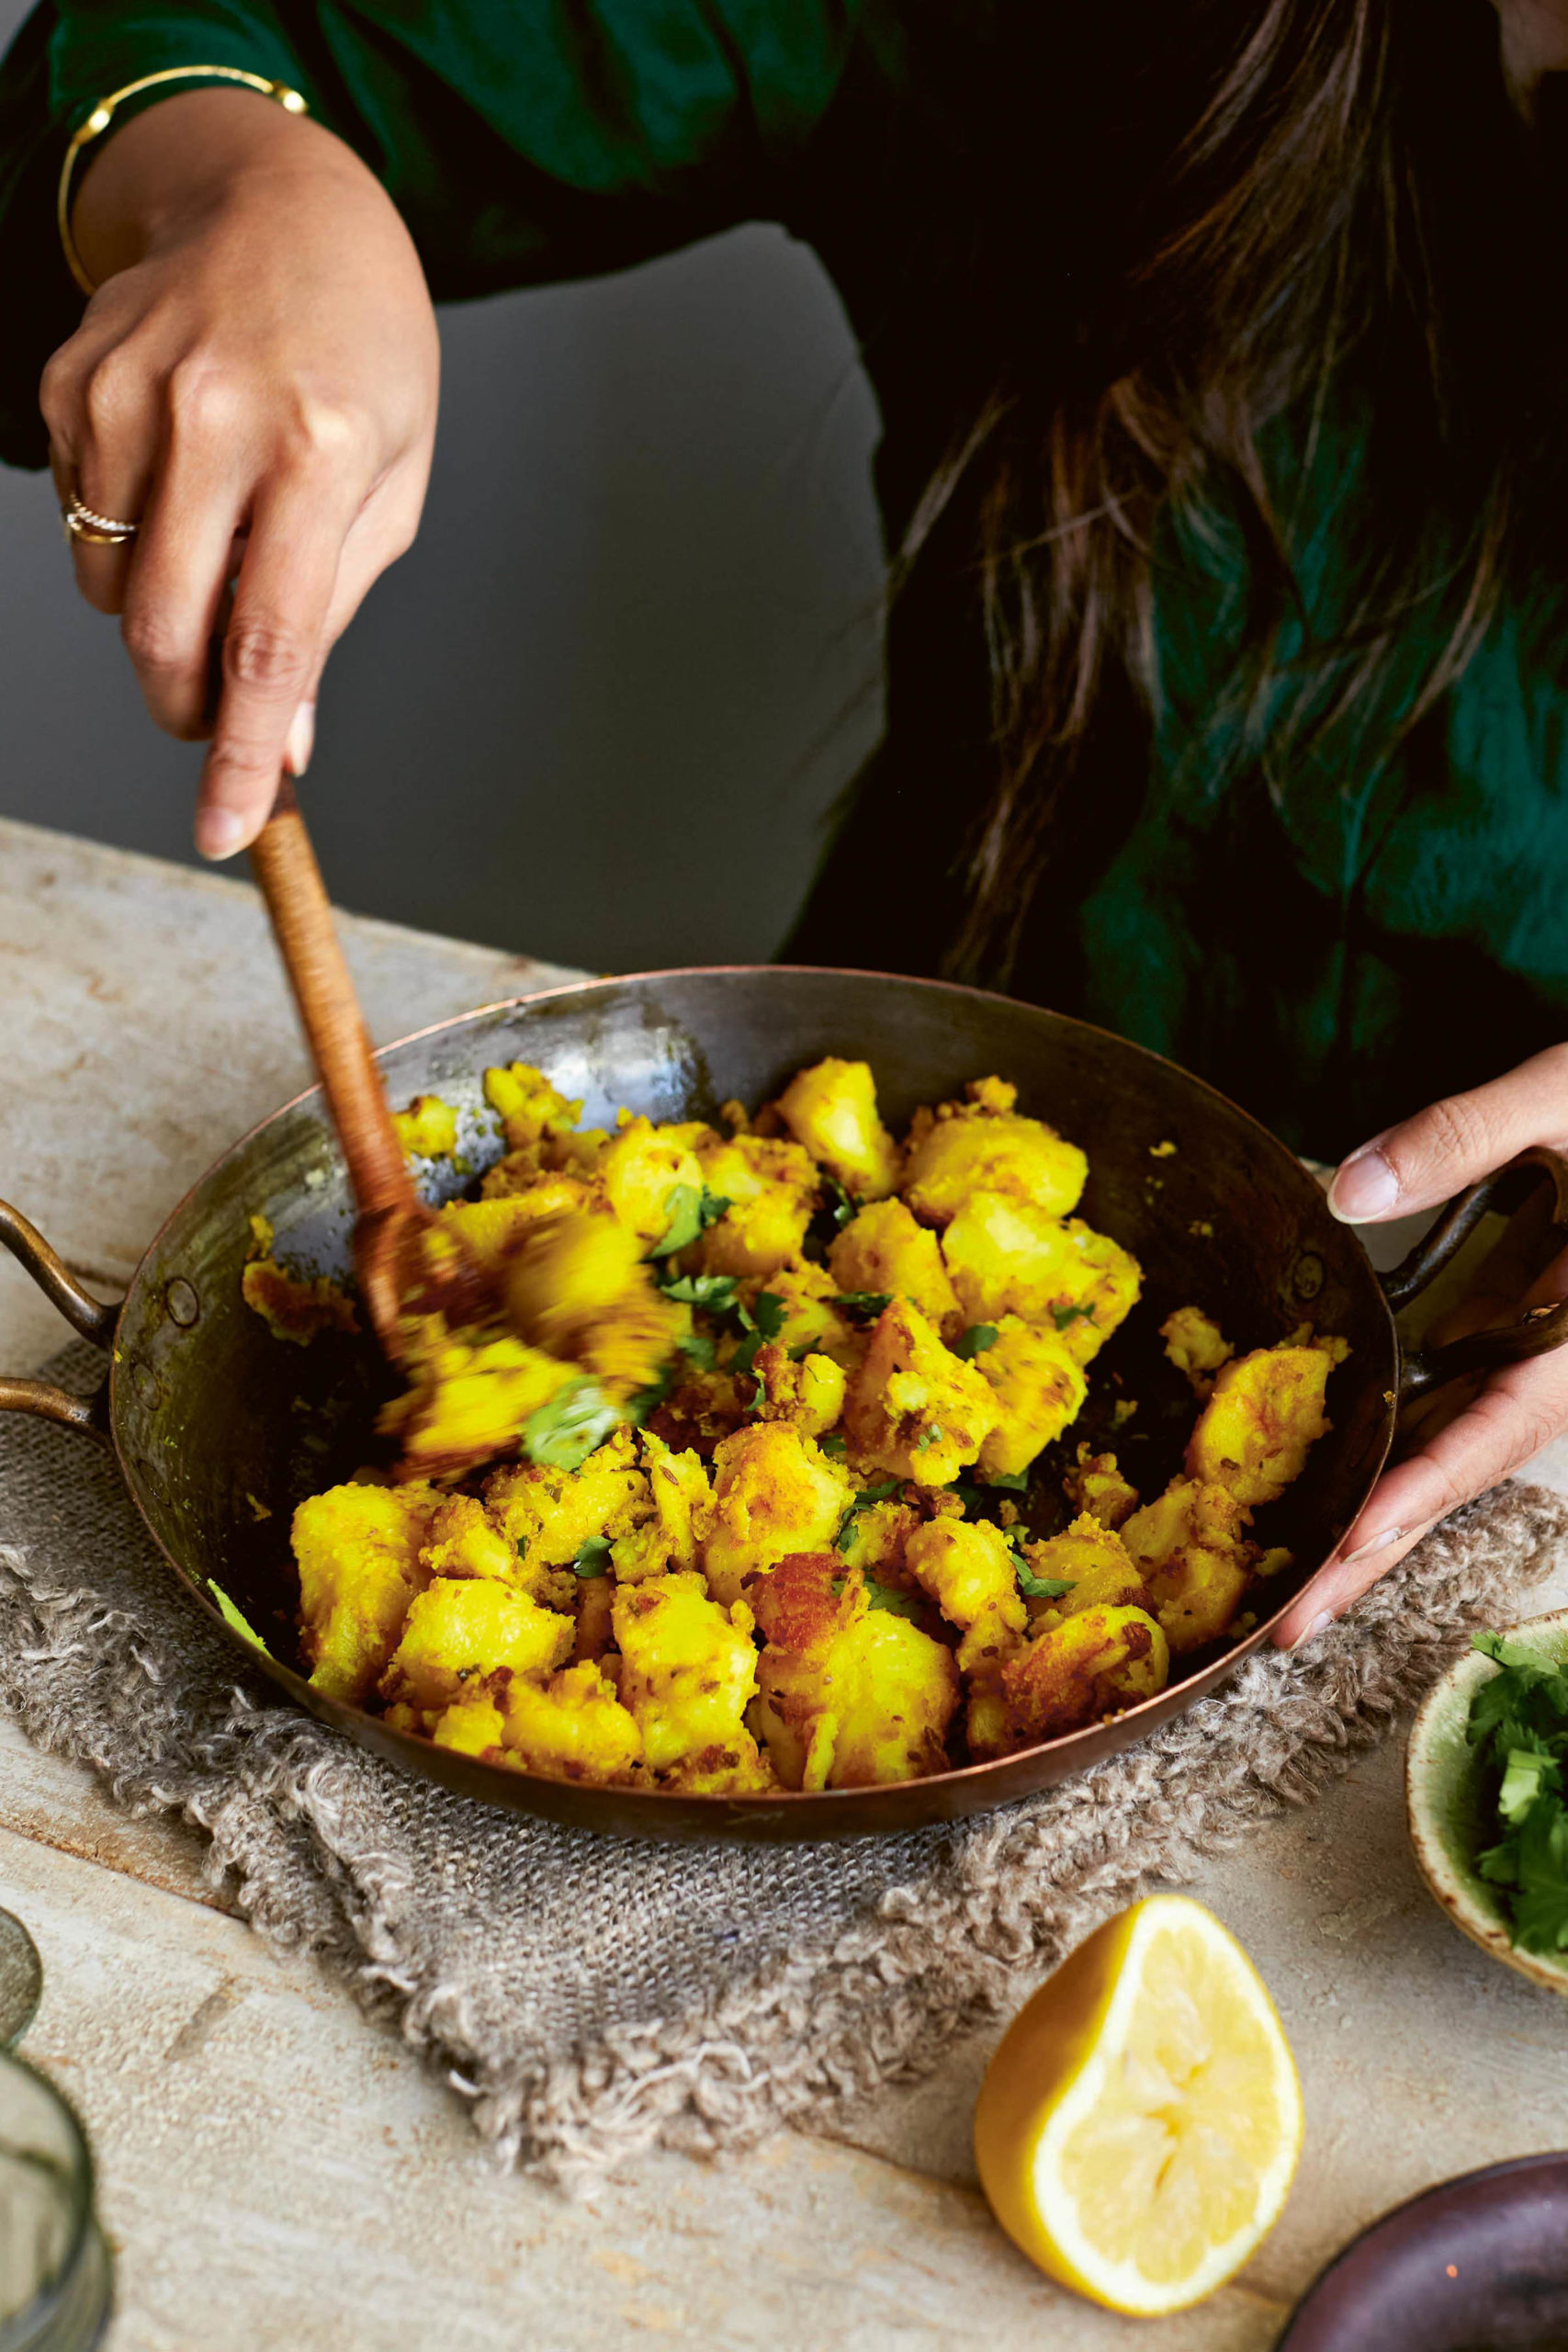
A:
(1139, 2124)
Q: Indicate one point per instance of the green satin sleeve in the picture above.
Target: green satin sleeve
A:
(522, 142)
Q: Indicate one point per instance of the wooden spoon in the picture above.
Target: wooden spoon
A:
(389, 1259)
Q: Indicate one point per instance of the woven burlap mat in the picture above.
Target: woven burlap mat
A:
(588, 1995)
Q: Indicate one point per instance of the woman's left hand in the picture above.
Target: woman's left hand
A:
(1416, 1165)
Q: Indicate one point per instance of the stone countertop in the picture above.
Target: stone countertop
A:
(276, 2170)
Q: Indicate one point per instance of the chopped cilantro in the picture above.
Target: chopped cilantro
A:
(593, 1559)
(862, 1500)
(864, 1301)
(1062, 1316)
(716, 1291)
(563, 1433)
(927, 1437)
(698, 1347)
(1519, 1721)
(689, 1210)
(1016, 1480)
(834, 1444)
(975, 1340)
(883, 1596)
(840, 1202)
(234, 1616)
(763, 1321)
(1040, 1587)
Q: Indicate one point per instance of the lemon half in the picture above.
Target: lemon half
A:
(1140, 2123)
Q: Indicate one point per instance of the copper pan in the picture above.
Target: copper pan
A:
(220, 1429)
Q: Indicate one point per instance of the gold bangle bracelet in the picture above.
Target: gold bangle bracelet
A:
(102, 115)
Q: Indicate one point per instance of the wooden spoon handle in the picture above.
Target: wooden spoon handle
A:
(284, 866)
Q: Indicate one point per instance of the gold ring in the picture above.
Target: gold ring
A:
(94, 530)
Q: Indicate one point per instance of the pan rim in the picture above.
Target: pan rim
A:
(726, 1809)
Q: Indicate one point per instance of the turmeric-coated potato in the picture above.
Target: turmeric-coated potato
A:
(689, 1667)
(1191, 1547)
(463, 1542)
(572, 1725)
(671, 1535)
(428, 1128)
(357, 1550)
(1196, 1346)
(876, 1539)
(1095, 1484)
(470, 1725)
(884, 1249)
(550, 1514)
(1007, 1258)
(774, 1491)
(735, 1768)
(831, 1109)
(469, 1399)
(1093, 1663)
(1039, 1387)
(913, 1408)
(639, 1169)
(847, 1697)
(811, 1319)
(578, 1287)
(809, 1395)
(971, 1147)
(295, 1307)
(771, 1188)
(969, 1572)
(492, 1228)
(460, 1629)
(1266, 1410)
(530, 1107)
(1095, 1565)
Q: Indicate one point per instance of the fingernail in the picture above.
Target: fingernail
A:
(1365, 1187)
(1390, 1535)
(1320, 1624)
(301, 739)
(219, 833)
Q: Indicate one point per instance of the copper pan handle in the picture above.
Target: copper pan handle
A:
(1535, 1334)
(84, 1314)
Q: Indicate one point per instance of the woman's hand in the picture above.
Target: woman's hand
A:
(1416, 1165)
(256, 382)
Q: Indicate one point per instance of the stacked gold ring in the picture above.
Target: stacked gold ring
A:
(94, 530)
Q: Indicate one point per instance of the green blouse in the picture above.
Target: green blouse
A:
(1384, 930)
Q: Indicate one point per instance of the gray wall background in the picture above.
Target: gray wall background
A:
(599, 711)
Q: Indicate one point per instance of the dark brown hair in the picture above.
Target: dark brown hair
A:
(1305, 205)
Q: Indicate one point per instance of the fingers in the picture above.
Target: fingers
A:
(272, 649)
(103, 444)
(1517, 1412)
(1427, 1159)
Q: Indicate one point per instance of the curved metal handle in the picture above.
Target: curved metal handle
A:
(1535, 1334)
(84, 1314)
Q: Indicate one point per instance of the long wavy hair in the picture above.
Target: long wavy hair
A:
(1298, 203)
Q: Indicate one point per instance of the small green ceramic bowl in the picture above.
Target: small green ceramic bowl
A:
(1442, 1796)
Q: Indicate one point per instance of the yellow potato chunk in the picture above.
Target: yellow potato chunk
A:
(1093, 1663)
(1254, 1433)
(969, 1572)
(808, 1394)
(295, 1307)
(877, 1538)
(428, 1128)
(469, 1398)
(849, 1697)
(1094, 1562)
(492, 1228)
(572, 1725)
(913, 1408)
(1098, 1487)
(774, 1491)
(463, 1542)
(975, 1146)
(1196, 1346)
(735, 1769)
(771, 1188)
(1191, 1547)
(357, 1550)
(885, 1250)
(831, 1109)
(1039, 1386)
(530, 1107)
(549, 1515)
(578, 1288)
(1007, 1258)
(682, 1500)
(640, 1168)
(459, 1630)
(471, 1726)
(811, 1319)
(689, 1667)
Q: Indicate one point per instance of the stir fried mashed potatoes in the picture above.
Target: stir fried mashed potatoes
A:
(733, 1500)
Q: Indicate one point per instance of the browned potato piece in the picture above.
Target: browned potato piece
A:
(969, 1572)
(689, 1668)
(1005, 1258)
(809, 1395)
(774, 1491)
(737, 1768)
(357, 1550)
(771, 1188)
(1191, 1547)
(913, 1408)
(640, 1168)
(569, 1724)
(885, 1250)
(847, 1697)
(549, 1515)
(1254, 1433)
(460, 1629)
(984, 1146)
(811, 1319)
(831, 1109)
(1095, 1562)
(1093, 1663)
(1098, 1487)
(428, 1128)
(578, 1287)
(492, 1228)
(1039, 1386)
(671, 1536)
(1196, 1346)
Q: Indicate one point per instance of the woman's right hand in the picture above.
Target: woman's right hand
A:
(255, 382)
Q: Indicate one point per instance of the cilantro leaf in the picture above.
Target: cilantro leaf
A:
(929, 1436)
(563, 1433)
(234, 1615)
(884, 1597)
(1062, 1316)
(593, 1558)
(862, 1500)
(1040, 1588)
(975, 1340)
(689, 1209)
(716, 1291)
(1519, 1726)
(834, 1444)
(840, 1202)
(864, 1301)
(1016, 1480)
(763, 1321)
(698, 1347)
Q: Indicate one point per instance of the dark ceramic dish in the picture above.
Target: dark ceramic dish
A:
(220, 1429)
